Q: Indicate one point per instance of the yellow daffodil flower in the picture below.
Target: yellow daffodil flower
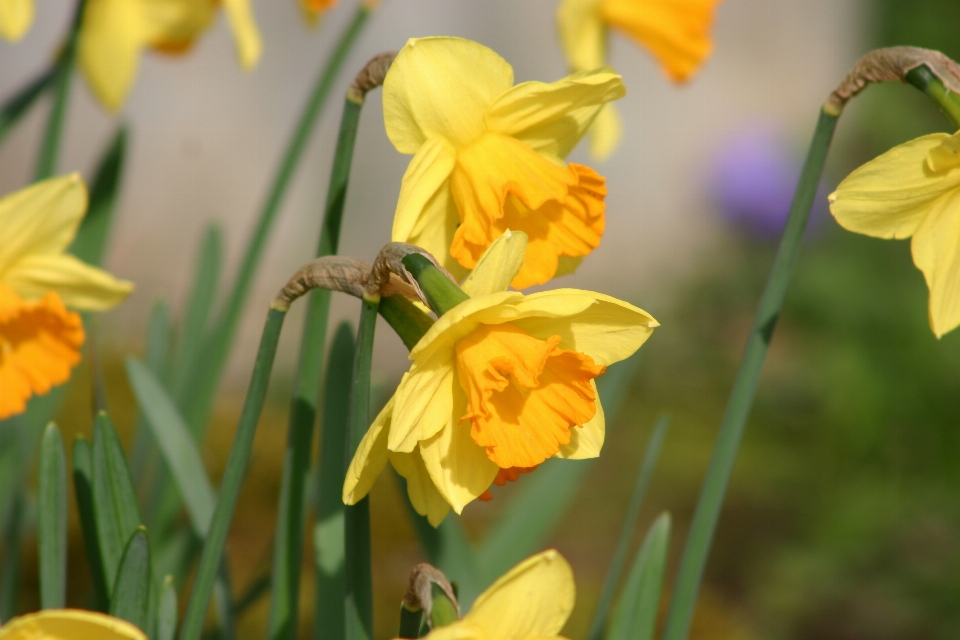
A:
(913, 191)
(39, 339)
(69, 624)
(500, 383)
(488, 156)
(114, 32)
(676, 32)
(532, 601)
(16, 16)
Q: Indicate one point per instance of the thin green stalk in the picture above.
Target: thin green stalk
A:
(619, 561)
(52, 137)
(922, 78)
(52, 520)
(359, 579)
(19, 104)
(207, 376)
(410, 622)
(708, 508)
(232, 479)
(288, 541)
(442, 294)
(406, 319)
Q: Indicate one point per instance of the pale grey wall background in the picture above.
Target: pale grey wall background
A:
(206, 137)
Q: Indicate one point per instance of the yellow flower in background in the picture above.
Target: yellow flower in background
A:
(16, 16)
(115, 32)
(39, 338)
(913, 191)
(532, 601)
(488, 156)
(313, 10)
(69, 624)
(676, 32)
(500, 383)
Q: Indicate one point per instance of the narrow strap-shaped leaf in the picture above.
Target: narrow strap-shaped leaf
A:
(19, 103)
(11, 560)
(619, 561)
(635, 616)
(167, 611)
(232, 479)
(700, 536)
(541, 498)
(83, 487)
(176, 443)
(90, 243)
(206, 378)
(52, 520)
(131, 590)
(328, 533)
(114, 499)
(157, 355)
(359, 580)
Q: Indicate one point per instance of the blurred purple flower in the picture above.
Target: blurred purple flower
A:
(754, 177)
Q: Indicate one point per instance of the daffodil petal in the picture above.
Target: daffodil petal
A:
(603, 327)
(16, 16)
(582, 34)
(69, 624)
(586, 441)
(532, 600)
(424, 497)
(457, 322)
(936, 252)
(459, 630)
(458, 466)
(498, 265)
(40, 219)
(425, 200)
(441, 87)
(424, 402)
(80, 285)
(552, 117)
(109, 46)
(605, 133)
(889, 196)
(246, 35)
(369, 459)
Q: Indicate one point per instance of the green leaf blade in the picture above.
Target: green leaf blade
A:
(52, 520)
(83, 488)
(131, 590)
(635, 616)
(167, 611)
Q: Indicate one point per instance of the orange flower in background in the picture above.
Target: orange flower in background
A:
(40, 339)
(313, 10)
(676, 32)
(488, 156)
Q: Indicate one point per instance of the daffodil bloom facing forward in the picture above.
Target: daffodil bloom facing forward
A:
(69, 624)
(114, 33)
(913, 191)
(532, 601)
(16, 16)
(39, 338)
(500, 383)
(488, 156)
(676, 32)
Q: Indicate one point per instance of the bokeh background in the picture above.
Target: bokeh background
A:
(842, 520)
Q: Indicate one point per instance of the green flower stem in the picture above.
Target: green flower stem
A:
(410, 622)
(50, 149)
(359, 578)
(232, 479)
(19, 104)
(406, 319)
(442, 294)
(288, 541)
(206, 378)
(707, 512)
(922, 78)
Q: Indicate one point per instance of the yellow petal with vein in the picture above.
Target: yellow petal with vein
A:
(246, 35)
(441, 87)
(69, 624)
(582, 34)
(424, 201)
(889, 196)
(113, 34)
(587, 441)
(424, 497)
(461, 320)
(40, 219)
(369, 459)
(80, 285)
(16, 16)
(423, 402)
(498, 265)
(532, 600)
(552, 117)
(936, 252)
